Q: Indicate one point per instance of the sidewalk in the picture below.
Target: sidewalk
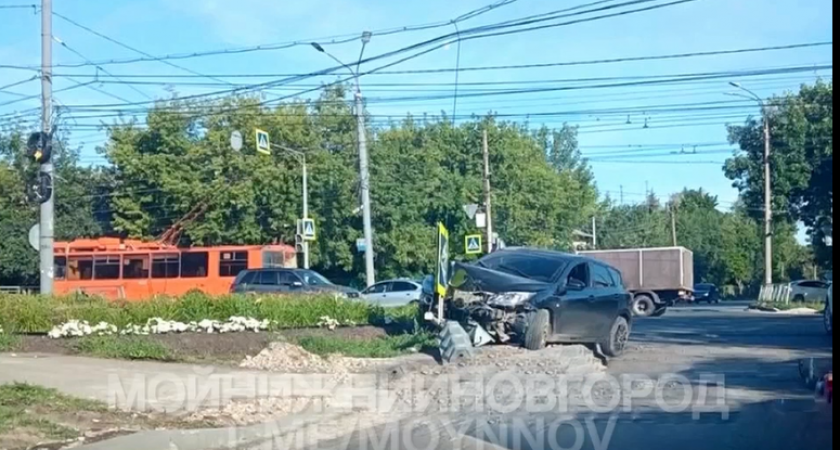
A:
(172, 388)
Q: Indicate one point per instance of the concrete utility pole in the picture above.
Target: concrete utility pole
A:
(305, 209)
(487, 206)
(364, 175)
(594, 234)
(768, 194)
(46, 224)
(674, 224)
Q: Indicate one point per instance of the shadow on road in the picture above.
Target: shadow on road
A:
(750, 330)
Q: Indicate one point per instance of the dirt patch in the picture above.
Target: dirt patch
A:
(33, 417)
(225, 349)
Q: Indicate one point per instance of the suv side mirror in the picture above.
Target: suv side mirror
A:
(297, 284)
(575, 285)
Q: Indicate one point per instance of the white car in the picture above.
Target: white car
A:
(808, 291)
(394, 293)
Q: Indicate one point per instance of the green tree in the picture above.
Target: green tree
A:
(801, 128)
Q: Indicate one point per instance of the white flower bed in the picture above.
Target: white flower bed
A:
(76, 328)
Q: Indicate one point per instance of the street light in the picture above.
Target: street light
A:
(768, 211)
(364, 175)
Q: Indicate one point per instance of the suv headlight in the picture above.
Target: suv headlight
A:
(509, 299)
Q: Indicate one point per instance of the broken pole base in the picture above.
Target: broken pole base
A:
(455, 343)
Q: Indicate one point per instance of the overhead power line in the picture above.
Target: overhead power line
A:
(441, 41)
(324, 40)
(509, 67)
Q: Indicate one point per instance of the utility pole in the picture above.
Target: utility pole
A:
(487, 207)
(768, 204)
(364, 175)
(594, 234)
(305, 208)
(768, 194)
(674, 224)
(46, 224)
(621, 194)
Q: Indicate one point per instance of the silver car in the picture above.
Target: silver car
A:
(394, 293)
(809, 291)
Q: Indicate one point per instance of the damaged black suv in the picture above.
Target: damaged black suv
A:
(535, 297)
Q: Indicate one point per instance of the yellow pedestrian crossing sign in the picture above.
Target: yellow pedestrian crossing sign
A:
(472, 244)
(263, 142)
(442, 276)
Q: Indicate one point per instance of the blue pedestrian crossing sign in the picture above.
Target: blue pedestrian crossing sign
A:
(472, 244)
(263, 142)
(308, 226)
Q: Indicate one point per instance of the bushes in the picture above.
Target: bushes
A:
(38, 314)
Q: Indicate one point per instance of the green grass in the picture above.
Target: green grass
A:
(38, 314)
(8, 342)
(382, 347)
(124, 347)
(27, 406)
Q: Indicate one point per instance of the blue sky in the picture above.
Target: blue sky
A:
(162, 27)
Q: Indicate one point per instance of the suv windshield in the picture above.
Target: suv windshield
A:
(313, 278)
(531, 266)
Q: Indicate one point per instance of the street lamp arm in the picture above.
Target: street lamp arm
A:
(752, 95)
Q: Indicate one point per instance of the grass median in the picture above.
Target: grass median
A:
(39, 314)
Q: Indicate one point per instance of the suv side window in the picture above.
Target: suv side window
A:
(248, 278)
(402, 286)
(616, 276)
(601, 277)
(580, 273)
(288, 278)
(268, 278)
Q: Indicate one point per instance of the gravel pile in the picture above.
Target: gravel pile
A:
(242, 412)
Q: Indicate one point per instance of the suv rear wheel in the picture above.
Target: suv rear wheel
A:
(616, 342)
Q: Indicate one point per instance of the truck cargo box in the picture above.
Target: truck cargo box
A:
(651, 269)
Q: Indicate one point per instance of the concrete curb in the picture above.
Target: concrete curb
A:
(789, 312)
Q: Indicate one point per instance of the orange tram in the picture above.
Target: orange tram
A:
(137, 270)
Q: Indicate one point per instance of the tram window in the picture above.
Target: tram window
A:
(80, 268)
(166, 266)
(136, 267)
(231, 263)
(194, 265)
(106, 267)
(60, 267)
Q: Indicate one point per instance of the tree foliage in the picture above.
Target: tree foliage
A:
(802, 149)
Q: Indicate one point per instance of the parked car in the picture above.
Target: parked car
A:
(808, 291)
(536, 297)
(394, 293)
(706, 292)
(287, 281)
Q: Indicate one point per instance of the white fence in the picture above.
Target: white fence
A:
(775, 293)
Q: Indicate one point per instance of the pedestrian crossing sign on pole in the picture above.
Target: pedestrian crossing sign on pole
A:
(472, 244)
(263, 142)
(308, 226)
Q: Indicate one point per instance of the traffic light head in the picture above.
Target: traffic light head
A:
(39, 147)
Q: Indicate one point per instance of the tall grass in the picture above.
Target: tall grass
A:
(38, 314)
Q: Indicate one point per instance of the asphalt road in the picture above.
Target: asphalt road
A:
(756, 354)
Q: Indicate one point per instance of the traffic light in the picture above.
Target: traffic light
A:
(299, 243)
(39, 147)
